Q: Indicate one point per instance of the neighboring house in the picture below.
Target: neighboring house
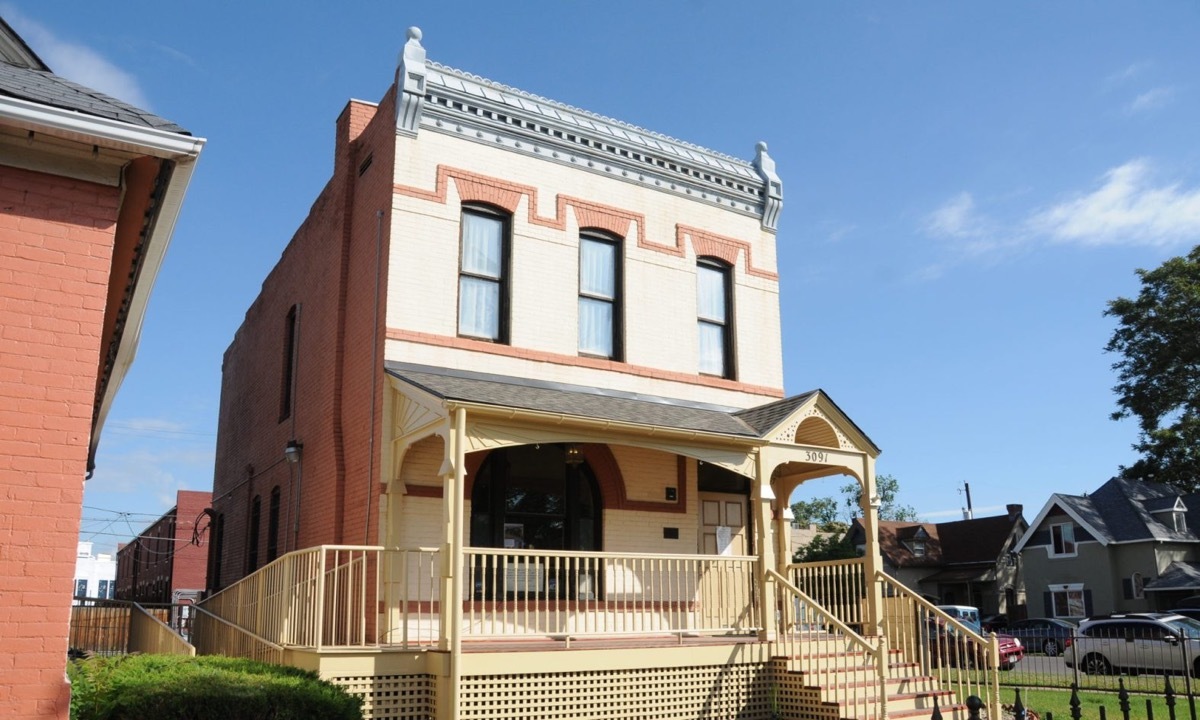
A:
(963, 562)
(1127, 547)
(167, 562)
(535, 354)
(90, 189)
(95, 575)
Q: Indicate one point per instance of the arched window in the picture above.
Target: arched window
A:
(534, 496)
(483, 275)
(714, 311)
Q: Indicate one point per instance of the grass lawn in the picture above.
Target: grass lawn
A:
(1057, 703)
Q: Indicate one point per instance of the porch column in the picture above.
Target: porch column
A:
(872, 560)
(453, 484)
(764, 519)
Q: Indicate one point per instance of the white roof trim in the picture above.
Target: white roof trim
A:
(1100, 537)
(99, 130)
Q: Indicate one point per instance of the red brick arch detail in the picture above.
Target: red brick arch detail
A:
(600, 218)
(724, 248)
(474, 187)
(474, 190)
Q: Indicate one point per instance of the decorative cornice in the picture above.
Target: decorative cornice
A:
(472, 107)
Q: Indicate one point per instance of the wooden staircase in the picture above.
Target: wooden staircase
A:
(847, 687)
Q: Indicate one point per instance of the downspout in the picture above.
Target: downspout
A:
(375, 372)
(299, 475)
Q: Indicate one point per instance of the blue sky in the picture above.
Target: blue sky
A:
(966, 186)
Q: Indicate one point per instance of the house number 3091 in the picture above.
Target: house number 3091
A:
(812, 456)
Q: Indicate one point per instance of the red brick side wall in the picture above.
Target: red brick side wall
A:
(329, 272)
(163, 559)
(191, 560)
(56, 240)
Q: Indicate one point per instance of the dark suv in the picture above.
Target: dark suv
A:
(1137, 642)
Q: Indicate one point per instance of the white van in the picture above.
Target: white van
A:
(965, 614)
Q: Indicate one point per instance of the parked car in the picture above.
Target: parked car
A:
(1190, 612)
(1137, 642)
(1047, 635)
(948, 647)
(994, 623)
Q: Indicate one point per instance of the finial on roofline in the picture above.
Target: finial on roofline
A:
(410, 84)
(772, 187)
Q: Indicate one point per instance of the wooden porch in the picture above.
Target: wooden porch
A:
(790, 643)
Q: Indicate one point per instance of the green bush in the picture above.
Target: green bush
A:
(176, 687)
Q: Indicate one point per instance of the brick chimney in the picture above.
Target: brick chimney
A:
(1014, 511)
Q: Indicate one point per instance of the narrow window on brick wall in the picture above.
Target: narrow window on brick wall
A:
(714, 290)
(288, 376)
(483, 275)
(252, 540)
(273, 525)
(600, 306)
(215, 549)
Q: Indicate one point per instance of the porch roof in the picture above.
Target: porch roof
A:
(577, 400)
(1179, 575)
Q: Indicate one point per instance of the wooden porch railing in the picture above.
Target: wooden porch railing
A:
(149, 634)
(361, 596)
(574, 594)
(849, 669)
(965, 662)
(840, 586)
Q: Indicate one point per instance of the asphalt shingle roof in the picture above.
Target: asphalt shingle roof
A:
(1125, 511)
(765, 417)
(40, 85)
(587, 402)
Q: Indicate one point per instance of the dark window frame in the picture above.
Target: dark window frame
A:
(288, 375)
(273, 525)
(505, 280)
(618, 299)
(253, 534)
(728, 344)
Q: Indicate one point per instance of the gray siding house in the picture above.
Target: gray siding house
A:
(1127, 547)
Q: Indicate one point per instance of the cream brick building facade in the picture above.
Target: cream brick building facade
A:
(422, 353)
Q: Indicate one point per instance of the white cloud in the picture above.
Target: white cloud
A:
(1127, 209)
(1126, 73)
(956, 218)
(1150, 100)
(77, 63)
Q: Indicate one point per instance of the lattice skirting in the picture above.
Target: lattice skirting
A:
(738, 691)
(741, 691)
(393, 697)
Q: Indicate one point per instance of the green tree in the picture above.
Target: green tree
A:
(821, 511)
(888, 489)
(1158, 338)
(826, 547)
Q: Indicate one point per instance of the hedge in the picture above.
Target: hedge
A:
(210, 687)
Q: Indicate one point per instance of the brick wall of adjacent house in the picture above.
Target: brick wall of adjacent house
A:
(327, 272)
(56, 240)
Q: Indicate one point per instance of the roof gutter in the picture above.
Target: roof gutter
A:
(97, 130)
(155, 250)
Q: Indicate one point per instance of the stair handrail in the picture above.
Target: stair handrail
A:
(847, 694)
(965, 683)
(276, 656)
